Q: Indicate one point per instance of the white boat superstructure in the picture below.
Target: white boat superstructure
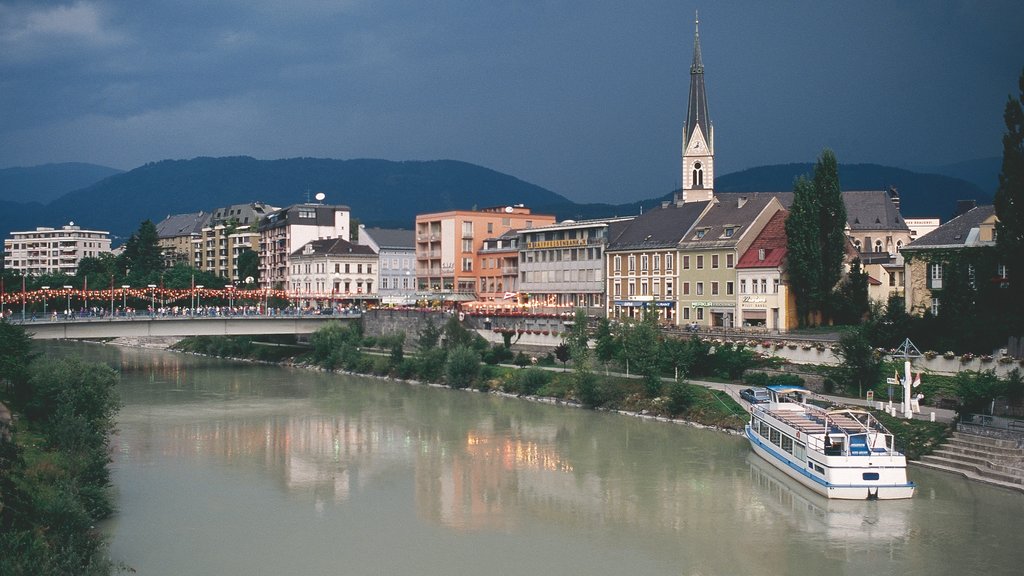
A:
(839, 453)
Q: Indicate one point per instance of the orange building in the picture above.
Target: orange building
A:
(448, 246)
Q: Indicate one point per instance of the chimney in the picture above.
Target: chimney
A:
(963, 206)
(894, 195)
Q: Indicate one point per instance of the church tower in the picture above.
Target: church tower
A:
(698, 136)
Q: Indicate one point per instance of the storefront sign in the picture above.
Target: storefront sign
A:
(754, 299)
(556, 244)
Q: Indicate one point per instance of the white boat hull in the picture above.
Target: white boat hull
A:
(841, 491)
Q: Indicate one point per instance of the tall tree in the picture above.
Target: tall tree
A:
(142, 258)
(816, 240)
(831, 227)
(1009, 204)
(803, 263)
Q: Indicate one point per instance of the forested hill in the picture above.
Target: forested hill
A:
(379, 192)
(390, 194)
(921, 195)
(49, 181)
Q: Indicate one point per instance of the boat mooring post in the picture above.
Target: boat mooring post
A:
(907, 350)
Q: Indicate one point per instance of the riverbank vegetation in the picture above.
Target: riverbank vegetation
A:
(54, 475)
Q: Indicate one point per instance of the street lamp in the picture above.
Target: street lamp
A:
(152, 300)
(46, 291)
(68, 288)
(199, 297)
(124, 299)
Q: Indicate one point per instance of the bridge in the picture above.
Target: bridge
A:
(143, 326)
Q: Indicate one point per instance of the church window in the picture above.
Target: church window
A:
(698, 175)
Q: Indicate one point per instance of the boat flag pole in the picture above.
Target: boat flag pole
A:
(907, 350)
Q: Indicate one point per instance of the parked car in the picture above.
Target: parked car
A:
(754, 395)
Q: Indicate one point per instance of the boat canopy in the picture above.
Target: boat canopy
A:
(782, 389)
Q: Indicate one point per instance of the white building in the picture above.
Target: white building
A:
(53, 251)
(333, 271)
(284, 231)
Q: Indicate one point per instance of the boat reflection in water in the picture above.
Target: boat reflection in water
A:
(846, 521)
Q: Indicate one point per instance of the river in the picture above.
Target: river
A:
(235, 468)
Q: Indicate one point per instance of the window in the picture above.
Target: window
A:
(775, 285)
(490, 227)
(686, 313)
(359, 268)
(700, 288)
(714, 288)
(764, 285)
(643, 287)
(467, 264)
(643, 263)
(698, 175)
(878, 245)
(743, 286)
(686, 262)
(729, 288)
(617, 264)
(700, 262)
(668, 262)
(714, 260)
(631, 289)
(935, 306)
(632, 263)
(700, 234)
(467, 245)
(729, 232)
(935, 275)
(617, 291)
(686, 288)
(668, 287)
(729, 260)
(657, 262)
(1001, 271)
(467, 229)
(700, 313)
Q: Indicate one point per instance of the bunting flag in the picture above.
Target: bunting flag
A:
(917, 380)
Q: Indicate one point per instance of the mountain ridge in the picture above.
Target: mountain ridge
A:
(390, 193)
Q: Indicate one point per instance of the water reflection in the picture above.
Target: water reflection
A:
(803, 510)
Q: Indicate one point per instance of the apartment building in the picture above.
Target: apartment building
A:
(53, 250)
(284, 231)
(396, 269)
(448, 246)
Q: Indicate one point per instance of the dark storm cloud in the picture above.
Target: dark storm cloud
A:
(584, 97)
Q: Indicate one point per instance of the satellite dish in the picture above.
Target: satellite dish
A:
(320, 196)
(508, 209)
(248, 279)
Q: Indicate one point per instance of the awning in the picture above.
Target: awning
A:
(755, 314)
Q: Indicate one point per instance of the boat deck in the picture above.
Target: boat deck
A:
(810, 423)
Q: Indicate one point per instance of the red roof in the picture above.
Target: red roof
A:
(772, 240)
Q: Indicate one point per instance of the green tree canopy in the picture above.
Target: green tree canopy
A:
(142, 258)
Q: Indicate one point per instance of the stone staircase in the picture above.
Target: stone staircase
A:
(986, 459)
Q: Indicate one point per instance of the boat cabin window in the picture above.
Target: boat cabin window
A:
(787, 444)
(870, 475)
(775, 437)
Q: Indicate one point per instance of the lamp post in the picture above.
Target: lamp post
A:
(199, 296)
(46, 291)
(68, 288)
(124, 299)
(152, 300)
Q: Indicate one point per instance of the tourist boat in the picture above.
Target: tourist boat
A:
(839, 453)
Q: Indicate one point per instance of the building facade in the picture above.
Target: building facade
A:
(333, 271)
(708, 283)
(764, 299)
(217, 248)
(498, 263)
(176, 235)
(562, 266)
(448, 245)
(284, 231)
(643, 261)
(396, 270)
(53, 251)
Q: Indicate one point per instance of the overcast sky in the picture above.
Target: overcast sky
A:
(586, 98)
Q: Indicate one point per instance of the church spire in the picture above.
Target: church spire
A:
(698, 135)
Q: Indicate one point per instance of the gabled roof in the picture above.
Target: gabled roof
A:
(333, 247)
(960, 232)
(772, 240)
(661, 227)
(182, 224)
(733, 212)
(391, 237)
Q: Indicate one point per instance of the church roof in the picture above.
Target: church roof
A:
(697, 112)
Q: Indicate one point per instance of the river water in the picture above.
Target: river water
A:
(233, 468)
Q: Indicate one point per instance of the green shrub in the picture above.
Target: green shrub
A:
(531, 380)
(462, 368)
(381, 365)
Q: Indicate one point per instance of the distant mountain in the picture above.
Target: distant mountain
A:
(379, 192)
(49, 181)
(390, 194)
(983, 172)
(921, 195)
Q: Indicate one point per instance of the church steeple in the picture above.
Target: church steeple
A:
(698, 135)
